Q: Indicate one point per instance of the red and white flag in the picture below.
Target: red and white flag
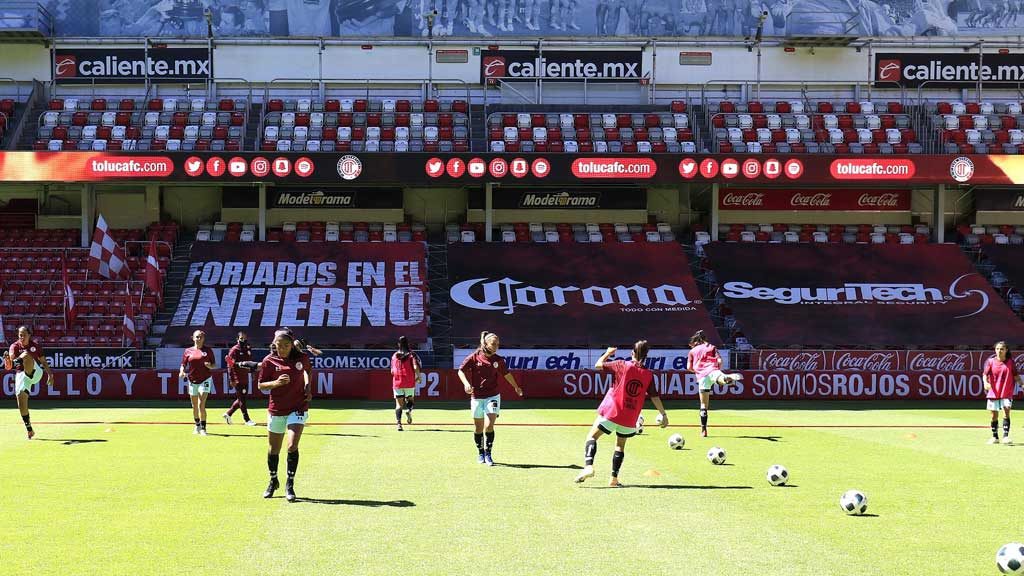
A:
(106, 258)
(69, 295)
(153, 273)
(129, 319)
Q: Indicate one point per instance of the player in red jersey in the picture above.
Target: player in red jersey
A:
(25, 357)
(1000, 376)
(621, 407)
(237, 359)
(196, 365)
(405, 373)
(479, 373)
(706, 363)
(285, 373)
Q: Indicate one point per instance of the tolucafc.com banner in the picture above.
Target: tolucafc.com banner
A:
(328, 293)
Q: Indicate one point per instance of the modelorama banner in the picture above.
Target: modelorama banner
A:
(948, 69)
(591, 198)
(575, 294)
(334, 197)
(537, 384)
(999, 200)
(130, 65)
(424, 169)
(581, 359)
(358, 293)
(860, 295)
(814, 199)
(934, 361)
(561, 64)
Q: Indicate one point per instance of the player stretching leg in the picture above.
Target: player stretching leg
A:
(25, 357)
(704, 361)
(620, 409)
(1000, 376)
(237, 359)
(196, 364)
(479, 374)
(285, 373)
(405, 373)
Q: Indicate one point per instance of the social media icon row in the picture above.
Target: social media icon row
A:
(751, 168)
(259, 166)
(497, 167)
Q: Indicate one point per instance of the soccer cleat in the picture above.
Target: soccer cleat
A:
(271, 488)
(993, 441)
(31, 434)
(227, 419)
(587, 472)
(250, 423)
(202, 431)
(614, 483)
(400, 427)
(408, 416)
(195, 430)
(488, 460)
(704, 432)
(480, 459)
(1006, 440)
(289, 490)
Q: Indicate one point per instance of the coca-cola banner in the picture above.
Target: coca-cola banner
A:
(329, 293)
(814, 199)
(591, 295)
(849, 295)
(537, 384)
(869, 360)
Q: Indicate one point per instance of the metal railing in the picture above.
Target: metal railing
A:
(26, 16)
(506, 83)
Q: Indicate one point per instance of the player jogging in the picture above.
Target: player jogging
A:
(621, 407)
(405, 373)
(237, 359)
(479, 374)
(25, 357)
(196, 364)
(1000, 376)
(285, 374)
(705, 361)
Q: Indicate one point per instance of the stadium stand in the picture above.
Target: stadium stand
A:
(315, 232)
(977, 127)
(821, 233)
(566, 233)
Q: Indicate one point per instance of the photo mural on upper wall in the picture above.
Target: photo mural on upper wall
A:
(486, 18)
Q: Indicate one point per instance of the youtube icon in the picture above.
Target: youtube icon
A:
(477, 168)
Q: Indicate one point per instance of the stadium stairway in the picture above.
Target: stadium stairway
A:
(30, 121)
(173, 284)
(252, 129)
(478, 127)
(440, 314)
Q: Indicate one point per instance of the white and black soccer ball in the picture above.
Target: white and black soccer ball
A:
(778, 475)
(640, 424)
(676, 442)
(854, 502)
(1010, 558)
(716, 455)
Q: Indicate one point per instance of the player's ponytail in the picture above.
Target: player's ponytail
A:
(403, 347)
(640, 350)
(697, 338)
(486, 337)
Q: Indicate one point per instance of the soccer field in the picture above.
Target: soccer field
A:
(117, 489)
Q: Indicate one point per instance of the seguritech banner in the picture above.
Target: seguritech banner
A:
(581, 359)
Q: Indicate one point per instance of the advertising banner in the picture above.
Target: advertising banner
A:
(575, 294)
(591, 198)
(528, 170)
(334, 198)
(581, 359)
(860, 295)
(872, 360)
(329, 293)
(998, 199)
(90, 358)
(562, 65)
(817, 199)
(947, 69)
(130, 65)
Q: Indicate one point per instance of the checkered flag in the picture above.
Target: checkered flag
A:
(128, 328)
(106, 258)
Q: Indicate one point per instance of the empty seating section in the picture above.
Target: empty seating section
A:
(361, 125)
(589, 132)
(823, 233)
(787, 127)
(580, 233)
(977, 127)
(7, 109)
(315, 232)
(156, 124)
(979, 235)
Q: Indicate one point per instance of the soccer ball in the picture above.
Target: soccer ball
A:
(778, 475)
(854, 502)
(716, 455)
(1010, 558)
(640, 424)
(676, 442)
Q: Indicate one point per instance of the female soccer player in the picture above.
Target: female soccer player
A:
(621, 407)
(196, 364)
(237, 359)
(1000, 376)
(705, 361)
(285, 374)
(479, 374)
(405, 373)
(25, 357)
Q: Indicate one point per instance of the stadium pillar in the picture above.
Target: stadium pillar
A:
(88, 197)
(262, 218)
(714, 212)
(488, 210)
(939, 213)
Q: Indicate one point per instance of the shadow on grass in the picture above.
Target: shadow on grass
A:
(542, 466)
(766, 438)
(436, 430)
(787, 486)
(863, 515)
(236, 435)
(340, 435)
(364, 503)
(670, 487)
(71, 442)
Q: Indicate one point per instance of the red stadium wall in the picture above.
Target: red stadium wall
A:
(445, 385)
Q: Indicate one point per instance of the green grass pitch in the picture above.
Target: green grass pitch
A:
(117, 498)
